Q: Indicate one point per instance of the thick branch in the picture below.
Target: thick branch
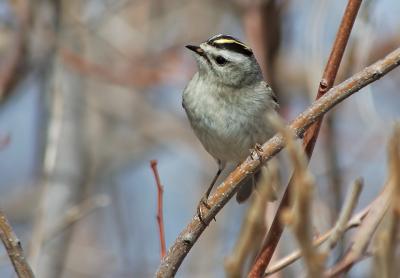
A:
(178, 251)
(14, 249)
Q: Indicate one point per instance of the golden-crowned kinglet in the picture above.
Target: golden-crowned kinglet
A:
(227, 103)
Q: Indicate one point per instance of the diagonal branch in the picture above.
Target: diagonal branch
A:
(187, 238)
(14, 249)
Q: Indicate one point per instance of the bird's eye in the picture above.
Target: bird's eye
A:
(220, 60)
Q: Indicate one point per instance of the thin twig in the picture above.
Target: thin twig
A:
(54, 130)
(185, 241)
(14, 249)
(76, 213)
(160, 218)
(345, 214)
(386, 243)
(310, 137)
(355, 221)
(364, 233)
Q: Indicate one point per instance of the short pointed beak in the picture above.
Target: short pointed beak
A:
(196, 49)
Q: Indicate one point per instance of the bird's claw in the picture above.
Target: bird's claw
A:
(203, 202)
(256, 153)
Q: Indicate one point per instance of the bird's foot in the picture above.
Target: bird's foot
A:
(203, 202)
(256, 153)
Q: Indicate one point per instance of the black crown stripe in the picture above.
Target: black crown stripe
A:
(230, 43)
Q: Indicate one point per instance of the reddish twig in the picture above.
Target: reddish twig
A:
(14, 249)
(225, 191)
(160, 218)
(311, 135)
(5, 141)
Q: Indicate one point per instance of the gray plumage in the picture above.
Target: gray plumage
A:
(227, 103)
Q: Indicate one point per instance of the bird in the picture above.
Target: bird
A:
(227, 103)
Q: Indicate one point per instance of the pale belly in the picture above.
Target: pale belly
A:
(230, 136)
(228, 127)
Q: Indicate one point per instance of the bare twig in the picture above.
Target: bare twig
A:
(345, 214)
(310, 137)
(254, 226)
(178, 251)
(76, 213)
(364, 233)
(14, 249)
(160, 218)
(355, 221)
(53, 136)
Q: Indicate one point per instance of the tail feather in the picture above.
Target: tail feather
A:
(246, 188)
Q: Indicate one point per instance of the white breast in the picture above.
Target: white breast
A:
(227, 125)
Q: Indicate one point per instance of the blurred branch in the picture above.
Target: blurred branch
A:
(160, 218)
(54, 128)
(4, 141)
(14, 249)
(310, 137)
(334, 174)
(142, 76)
(364, 233)
(385, 248)
(355, 221)
(254, 226)
(76, 213)
(347, 210)
(388, 198)
(262, 22)
(298, 217)
(15, 56)
(65, 167)
(171, 262)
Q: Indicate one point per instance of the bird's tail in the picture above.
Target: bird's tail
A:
(246, 187)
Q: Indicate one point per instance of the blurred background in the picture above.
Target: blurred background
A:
(90, 92)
